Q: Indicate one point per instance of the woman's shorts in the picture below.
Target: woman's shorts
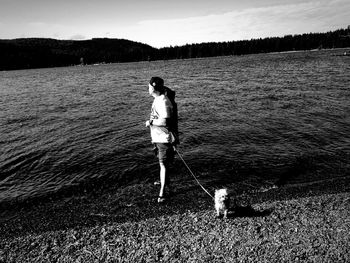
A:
(165, 152)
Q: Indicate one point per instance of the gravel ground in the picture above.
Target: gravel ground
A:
(279, 225)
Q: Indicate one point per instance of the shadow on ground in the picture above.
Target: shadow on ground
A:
(248, 211)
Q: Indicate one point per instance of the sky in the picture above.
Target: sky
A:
(162, 23)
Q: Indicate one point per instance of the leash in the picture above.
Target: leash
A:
(192, 173)
(254, 187)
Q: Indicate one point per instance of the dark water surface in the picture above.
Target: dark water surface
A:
(281, 117)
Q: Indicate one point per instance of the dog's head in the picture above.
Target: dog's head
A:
(221, 195)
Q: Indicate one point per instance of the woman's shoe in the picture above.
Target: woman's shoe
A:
(161, 199)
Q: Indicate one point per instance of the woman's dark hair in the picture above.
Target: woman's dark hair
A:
(157, 83)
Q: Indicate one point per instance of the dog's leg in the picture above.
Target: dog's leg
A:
(217, 212)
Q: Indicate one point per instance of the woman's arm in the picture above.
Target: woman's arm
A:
(157, 122)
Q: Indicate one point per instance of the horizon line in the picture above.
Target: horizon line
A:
(195, 43)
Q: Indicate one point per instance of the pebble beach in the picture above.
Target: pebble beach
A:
(300, 223)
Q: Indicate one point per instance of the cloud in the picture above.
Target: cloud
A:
(279, 20)
(37, 24)
(53, 30)
(271, 18)
(77, 37)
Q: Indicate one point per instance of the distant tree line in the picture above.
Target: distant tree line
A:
(41, 52)
(336, 39)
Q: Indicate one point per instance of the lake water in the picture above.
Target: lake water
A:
(280, 117)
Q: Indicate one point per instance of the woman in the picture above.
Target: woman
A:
(161, 121)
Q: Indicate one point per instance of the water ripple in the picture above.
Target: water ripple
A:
(281, 116)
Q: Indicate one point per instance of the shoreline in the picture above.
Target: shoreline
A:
(74, 227)
(117, 204)
(180, 59)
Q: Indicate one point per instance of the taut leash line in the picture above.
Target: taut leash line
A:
(193, 173)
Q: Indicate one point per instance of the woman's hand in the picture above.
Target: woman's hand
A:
(149, 123)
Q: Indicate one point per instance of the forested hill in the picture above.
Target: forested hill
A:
(40, 52)
(335, 39)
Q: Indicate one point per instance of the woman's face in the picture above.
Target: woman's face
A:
(150, 89)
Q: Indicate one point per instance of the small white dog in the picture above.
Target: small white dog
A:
(222, 202)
